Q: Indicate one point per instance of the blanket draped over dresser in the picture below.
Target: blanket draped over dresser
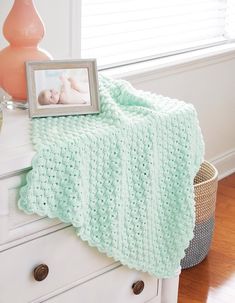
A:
(123, 178)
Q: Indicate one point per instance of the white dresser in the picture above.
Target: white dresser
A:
(43, 260)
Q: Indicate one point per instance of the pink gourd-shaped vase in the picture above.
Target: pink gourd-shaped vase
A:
(23, 29)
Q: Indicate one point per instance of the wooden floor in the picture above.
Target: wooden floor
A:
(213, 281)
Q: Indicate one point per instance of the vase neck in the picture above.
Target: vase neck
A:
(24, 2)
(23, 26)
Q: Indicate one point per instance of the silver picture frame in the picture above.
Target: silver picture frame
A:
(71, 100)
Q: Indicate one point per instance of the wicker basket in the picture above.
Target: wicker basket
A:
(205, 189)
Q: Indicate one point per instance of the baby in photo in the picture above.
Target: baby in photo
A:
(71, 92)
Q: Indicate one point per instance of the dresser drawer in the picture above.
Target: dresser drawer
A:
(68, 258)
(113, 287)
(14, 223)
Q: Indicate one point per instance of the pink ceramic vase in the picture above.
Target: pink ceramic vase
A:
(23, 29)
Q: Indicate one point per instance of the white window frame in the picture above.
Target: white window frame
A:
(75, 28)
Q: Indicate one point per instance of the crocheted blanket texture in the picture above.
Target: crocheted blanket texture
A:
(123, 178)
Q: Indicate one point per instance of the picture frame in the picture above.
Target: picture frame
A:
(62, 87)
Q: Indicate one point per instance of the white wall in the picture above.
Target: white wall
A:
(208, 84)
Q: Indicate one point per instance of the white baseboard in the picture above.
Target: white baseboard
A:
(225, 163)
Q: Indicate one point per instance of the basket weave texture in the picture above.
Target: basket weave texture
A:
(205, 190)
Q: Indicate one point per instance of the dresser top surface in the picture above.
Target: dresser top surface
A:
(16, 150)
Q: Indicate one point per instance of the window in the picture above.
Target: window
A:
(118, 32)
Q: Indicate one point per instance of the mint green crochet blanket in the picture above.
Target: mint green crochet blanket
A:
(123, 178)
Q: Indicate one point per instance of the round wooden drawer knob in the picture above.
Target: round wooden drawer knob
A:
(40, 272)
(138, 287)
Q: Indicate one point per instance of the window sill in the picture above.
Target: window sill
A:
(162, 67)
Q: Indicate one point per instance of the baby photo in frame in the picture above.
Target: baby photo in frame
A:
(59, 88)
